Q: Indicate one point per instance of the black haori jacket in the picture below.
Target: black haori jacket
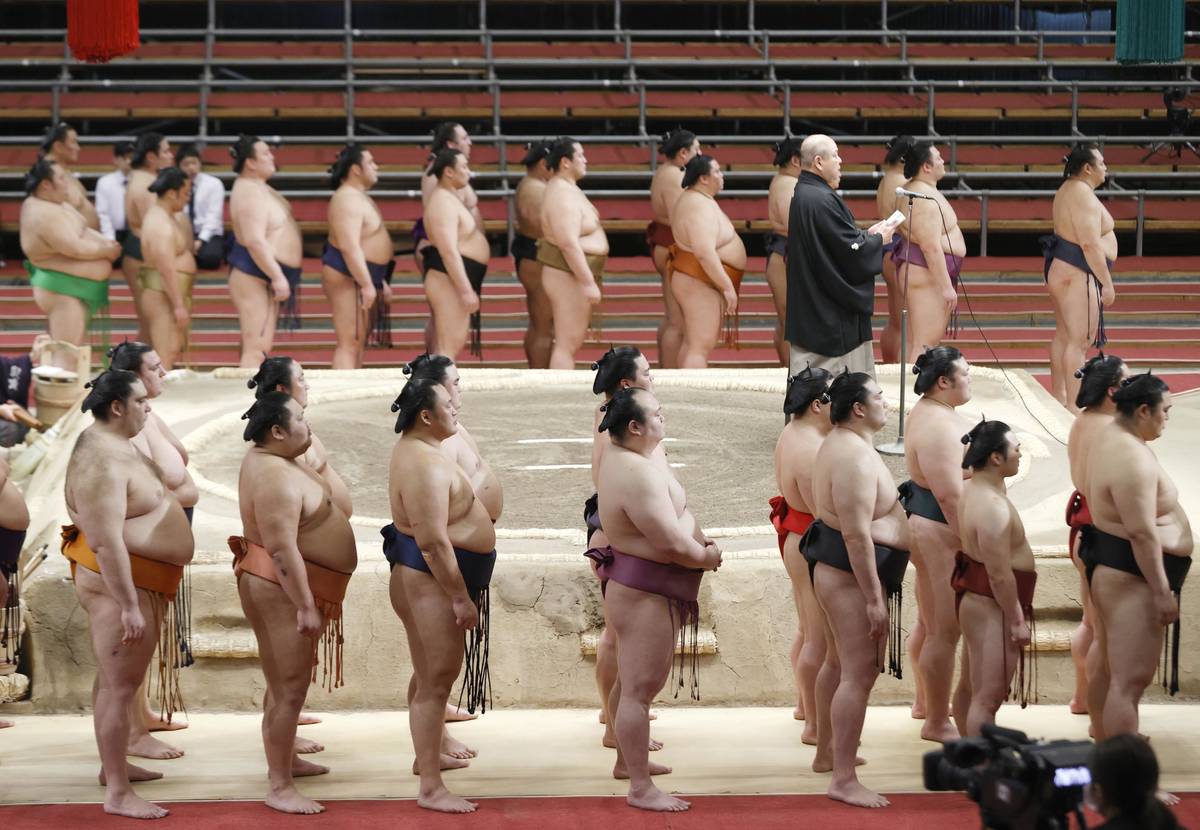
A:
(830, 283)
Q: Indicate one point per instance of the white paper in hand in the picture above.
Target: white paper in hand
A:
(894, 221)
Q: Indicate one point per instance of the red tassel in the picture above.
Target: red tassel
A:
(100, 30)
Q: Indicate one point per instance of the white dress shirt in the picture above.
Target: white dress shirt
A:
(110, 203)
(206, 208)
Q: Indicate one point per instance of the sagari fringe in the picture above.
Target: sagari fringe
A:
(170, 695)
(328, 648)
(689, 656)
(10, 632)
(477, 679)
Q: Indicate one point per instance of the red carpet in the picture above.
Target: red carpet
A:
(926, 811)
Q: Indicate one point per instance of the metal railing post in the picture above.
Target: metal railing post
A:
(929, 127)
(883, 18)
(983, 221)
(616, 15)
(750, 23)
(787, 108)
(1141, 221)
(206, 76)
(347, 24)
(1075, 109)
(1017, 20)
(641, 86)
(483, 15)
(496, 109)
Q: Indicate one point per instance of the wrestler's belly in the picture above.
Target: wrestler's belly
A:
(892, 529)
(475, 532)
(1108, 244)
(595, 242)
(285, 244)
(733, 253)
(330, 544)
(185, 263)
(475, 246)
(490, 495)
(958, 245)
(629, 541)
(919, 279)
(162, 534)
(91, 269)
(1175, 534)
(1022, 559)
(378, 246)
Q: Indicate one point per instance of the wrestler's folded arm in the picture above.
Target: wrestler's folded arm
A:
(649, 508)
(944, 477)
(252, 227)
(854, 515)
(277, 508)
(427, 502)
(1134, 495)
(347, 225)
(1086, 220)
(338, 491)
(994, 533)
(562, 227)
(84, 244)
(100, 497)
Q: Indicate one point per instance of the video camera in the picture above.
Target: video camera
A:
(1018, 783)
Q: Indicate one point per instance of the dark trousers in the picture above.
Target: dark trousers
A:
(211, 254)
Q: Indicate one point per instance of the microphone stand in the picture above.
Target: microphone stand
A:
(897, 447)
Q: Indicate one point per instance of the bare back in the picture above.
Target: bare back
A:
(666, 186)
(138, 199)
(531, 191)
(795, 452)
(886, 202)
(779, 201)
(1088, 425)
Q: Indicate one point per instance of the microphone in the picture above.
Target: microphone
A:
(912, 194)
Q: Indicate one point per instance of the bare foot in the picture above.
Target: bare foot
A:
(306, 746)
(447, 762)
(289, 800)
(456, 715)
(150, 747)
(1077, 707)
(809, 735)
(302, 768)
(822, 765)
(132, 805)
(917, 711)
(1170, 799)
(157, 724)
(656, 799)
(798, 712)
(455, 748)
(621, 774)
(609, 740)
(307, 720)
(856, 795)
(445, 801)
(939, 733)
(6, 724)
(135, 773)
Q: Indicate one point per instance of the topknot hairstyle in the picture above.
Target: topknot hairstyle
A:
(897, 149)
(419, 394)
(347, 157)
(700, 165)
(272, 372)
(429, 366)
(560, 148)
(127, 355)
(916, 156)
(168, 179)
(625, 407)
(1082, 153)
(1144, 389)
(55, 134)
(535, 151)
(676, 141)
(146, 144)
(443, 134)
(803, 388)
(243, 150)
(443, 159)
(787, 149)
(847, 389)
(268, 411)
(1097, 376)
(108, 386)
(985, 438)
(42, 171)
(614, 366)
(931, 364)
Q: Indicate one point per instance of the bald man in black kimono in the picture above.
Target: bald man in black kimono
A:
(831, 269)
